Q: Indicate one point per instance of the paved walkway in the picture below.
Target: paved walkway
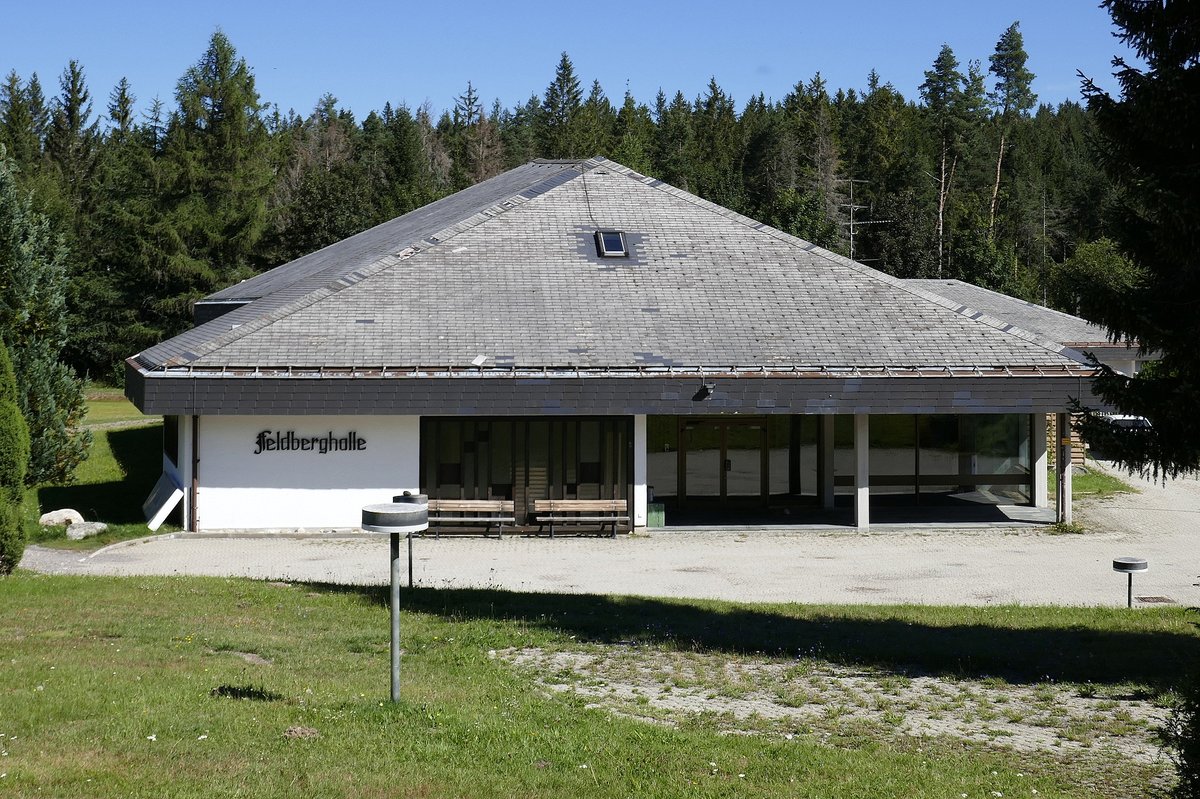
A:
(932, 566)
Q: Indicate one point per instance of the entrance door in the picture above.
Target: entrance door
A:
(723, 462)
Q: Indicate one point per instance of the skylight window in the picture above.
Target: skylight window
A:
(611, 244)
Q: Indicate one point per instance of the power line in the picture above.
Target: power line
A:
(853, 223)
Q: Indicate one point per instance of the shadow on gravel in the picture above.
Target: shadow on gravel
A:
(1020, 645)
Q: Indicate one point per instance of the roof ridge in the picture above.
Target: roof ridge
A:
(867, 271)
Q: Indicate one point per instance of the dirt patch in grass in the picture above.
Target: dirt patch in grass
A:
(854, 706)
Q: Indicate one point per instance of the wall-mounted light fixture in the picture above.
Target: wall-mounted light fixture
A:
(705, 393)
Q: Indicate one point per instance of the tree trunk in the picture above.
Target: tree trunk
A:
(941, 209)
(996, 188)
(944, 182)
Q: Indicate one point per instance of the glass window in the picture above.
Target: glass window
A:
(611, 243)
(662, 455)
(893, 453)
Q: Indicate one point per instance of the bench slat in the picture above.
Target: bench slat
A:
(578, 505)
(472, 519)
(485, 505)
(569, 519)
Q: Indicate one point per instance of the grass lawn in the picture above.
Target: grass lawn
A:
(1098, 484)
(212, 687)
(122, 467)
(107, 405)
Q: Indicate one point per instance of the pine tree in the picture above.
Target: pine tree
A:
(1011, 98)
(942, 94)
(14, 459)
(33, 325)
(1147, 145)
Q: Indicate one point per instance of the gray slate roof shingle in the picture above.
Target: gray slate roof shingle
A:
(508, 269)
(1055, 325)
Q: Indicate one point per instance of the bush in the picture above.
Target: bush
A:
(1183, 737)
(14, 457)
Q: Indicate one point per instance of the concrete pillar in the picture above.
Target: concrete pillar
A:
(186, 466)
(1040, 460)
(639, 470)
(1062, 462)
(825, 460)
(862, 471)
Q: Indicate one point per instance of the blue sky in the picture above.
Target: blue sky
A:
(368, 53)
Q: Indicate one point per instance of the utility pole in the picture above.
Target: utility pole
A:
(852, 208)
(854, 223)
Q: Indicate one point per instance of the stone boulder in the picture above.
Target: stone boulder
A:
(82, 530)
(56, 518)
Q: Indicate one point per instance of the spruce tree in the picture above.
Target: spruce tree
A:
(560, 107)
(1146, 143)
(14, 457)
(33, 323)
(634, 135)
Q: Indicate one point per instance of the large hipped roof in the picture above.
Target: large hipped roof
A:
(508, 270)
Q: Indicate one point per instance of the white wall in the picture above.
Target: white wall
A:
(239, 489)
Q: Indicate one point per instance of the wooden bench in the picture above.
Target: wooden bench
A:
(472, 513)
(591, 512)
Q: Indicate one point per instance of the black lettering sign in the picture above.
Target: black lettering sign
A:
(288, 441)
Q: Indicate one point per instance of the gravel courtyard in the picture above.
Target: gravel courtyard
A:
(978, 566)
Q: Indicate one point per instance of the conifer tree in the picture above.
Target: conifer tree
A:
(19, 133)
(942, 94)
(1012, 97)
(560, 107)
(71, 144)
(14, 459)
(634, 135)
(33, 325)
(216, 174)
(673, 146)
(1147, 146)
(120, 107)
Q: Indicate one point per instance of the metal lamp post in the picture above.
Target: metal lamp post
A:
(1129, 566)
(406, 515)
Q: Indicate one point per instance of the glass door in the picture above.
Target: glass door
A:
(723, 462)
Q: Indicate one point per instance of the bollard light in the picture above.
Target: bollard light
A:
(1129, 566)
(406, 515)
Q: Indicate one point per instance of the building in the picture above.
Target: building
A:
(1079, 334)
(573, 329)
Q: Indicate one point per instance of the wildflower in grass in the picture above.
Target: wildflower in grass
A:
(202, 737)
(151, 737)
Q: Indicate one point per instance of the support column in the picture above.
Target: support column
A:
(862, 471)
(825, 460)
(1062, 462)
(1038, 454)
(185, 467)
(639, 470)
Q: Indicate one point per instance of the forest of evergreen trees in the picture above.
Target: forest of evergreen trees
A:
(972, 179)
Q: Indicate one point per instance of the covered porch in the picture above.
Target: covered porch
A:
(732, 470)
